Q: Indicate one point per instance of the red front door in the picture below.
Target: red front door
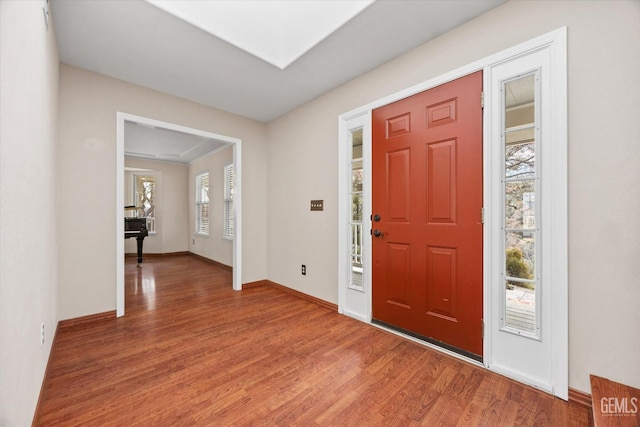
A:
(427, 226)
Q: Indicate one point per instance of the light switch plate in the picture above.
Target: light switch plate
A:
(317, 205)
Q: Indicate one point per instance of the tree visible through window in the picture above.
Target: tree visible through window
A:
(145, 199)
(202, 203)
(520, 180)
(356, 225)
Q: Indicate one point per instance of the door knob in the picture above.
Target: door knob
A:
(377, 233)
(376, 218)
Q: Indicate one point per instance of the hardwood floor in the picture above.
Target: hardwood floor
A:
(191, 351)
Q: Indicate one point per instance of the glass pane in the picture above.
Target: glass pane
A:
(202, 192)
(356, 207)
(520, 200)
(356, 176)
(520, 204)
(229, 182)
(520, 135)
(356, 244)
(356, 233)
(520, 115)
(356, 277)
(520, 257)
(356, 143)
(520, 160)
(356, 257)
(145, 199)
(520, 310)
(519, 97)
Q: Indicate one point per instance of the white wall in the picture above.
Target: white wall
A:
(212, 246)
(87, 181)
(28, 238)
(604, 183)
(172, 206)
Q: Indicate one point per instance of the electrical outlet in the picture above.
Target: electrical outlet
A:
(41, 334)
(194, 242)
(304, 270)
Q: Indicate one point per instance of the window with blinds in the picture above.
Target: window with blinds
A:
(202, 203)
(229, 211)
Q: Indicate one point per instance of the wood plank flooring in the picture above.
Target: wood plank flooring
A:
(191, 351)
(614, 404)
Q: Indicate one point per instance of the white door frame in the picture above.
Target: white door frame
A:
(121, 118)
(350, 303)
(354, 302)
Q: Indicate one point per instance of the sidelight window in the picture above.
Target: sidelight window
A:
(520, 179)
(356, 224)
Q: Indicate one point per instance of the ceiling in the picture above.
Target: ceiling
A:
(140, 42)
(276, 31)
(149, 142)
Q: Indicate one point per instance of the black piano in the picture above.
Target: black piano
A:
(136, 227)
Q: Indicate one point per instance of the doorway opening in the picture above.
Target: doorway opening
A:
(122, 119)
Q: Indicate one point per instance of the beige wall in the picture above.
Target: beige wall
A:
(299, 164)
(172, 206)
(87, 181)
(604, 183)
(212, 246)
(28, 236)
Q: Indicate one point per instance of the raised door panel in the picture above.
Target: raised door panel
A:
(399, 185)
(441, 182)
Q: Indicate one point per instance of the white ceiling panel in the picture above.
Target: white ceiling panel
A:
(276, 31)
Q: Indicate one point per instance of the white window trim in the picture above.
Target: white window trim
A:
(555, 172)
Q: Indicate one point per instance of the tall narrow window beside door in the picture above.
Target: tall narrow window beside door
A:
(229, 210)
(520, 187)
(357, 179)
(202, 203)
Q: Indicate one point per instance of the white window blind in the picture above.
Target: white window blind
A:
(202, 203)
(229, 210)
